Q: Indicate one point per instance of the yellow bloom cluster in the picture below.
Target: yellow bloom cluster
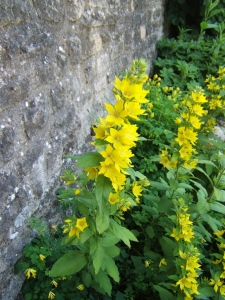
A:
(30, 273)
(118, 134)
(187, 135)
(184, 229)
(74, 226)
(188, 258)
(219, 283)
(189, 261)
(216, 87)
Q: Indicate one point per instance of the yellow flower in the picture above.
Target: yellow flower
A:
(219, 233)
(222, 290)
(198, 110)
(178, 121)
(164, 161)
(109, 170)
(30, 273)
(147, 264)
(77, 191)
(195, 122)
(113, 198)
(198, 98)
(80, 287)
(51, 295)
(81, 224)
(162, 262)
(133, 110)
(42, 257)
(172, 164)
(117, 138)
(131, 91)
(136, 189)
(54, 283)
(116, 113)
(216, 283)
(91, 172)
(74, 231)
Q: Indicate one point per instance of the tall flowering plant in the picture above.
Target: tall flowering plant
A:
(107, 187)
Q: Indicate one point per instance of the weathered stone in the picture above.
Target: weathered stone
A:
(51, 11)
(75, 49)
(75, 9)
(58, 59)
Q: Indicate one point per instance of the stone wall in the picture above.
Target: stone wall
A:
(58, 59)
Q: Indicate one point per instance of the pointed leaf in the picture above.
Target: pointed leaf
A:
(102, 221)
(104, 282)
(90, 159)
(102, 190)
(70, 263)
(164, 293)
(122, 233)
(112, 268)
(219, 207)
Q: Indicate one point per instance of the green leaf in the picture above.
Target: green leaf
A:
(150, 232)
(109, 240)
(167, 246)
(86, 278)
(207, 291)
(104, 282)
(112, 251)
(97, 253)
(164, 205)
(219, 194)
(122, 233)
(89, 159)
(70, 263)
(112, 268)
(102, 190)
(160, 186)
(202, 205)
(102, 221)
(212, 222)
(120, 296)
(164, 293)
(219, 207)
(131, 172)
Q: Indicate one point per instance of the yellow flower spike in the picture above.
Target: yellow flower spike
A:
(81, 224)
(77, 192)
(147, 264)
(219, 233)
(137, 201)
(30, 273)
(67, 221)
(162, 262)
(55, 283)
(80, 287)
(222, 290)
(42, 257)
(51, 295)
(54, 227)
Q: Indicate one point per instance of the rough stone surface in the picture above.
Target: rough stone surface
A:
(58, 59)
